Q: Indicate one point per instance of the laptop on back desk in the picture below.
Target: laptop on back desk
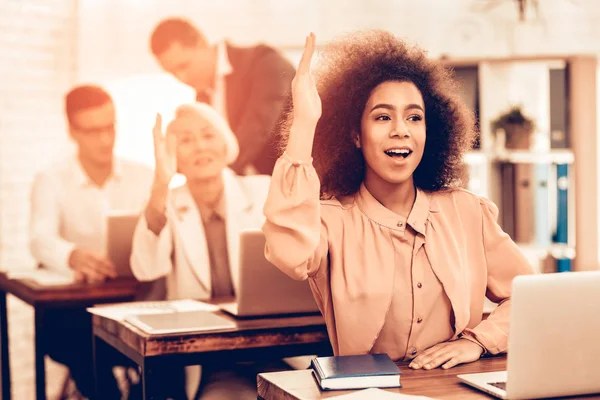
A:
(263, 289)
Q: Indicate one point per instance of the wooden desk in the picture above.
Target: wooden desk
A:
(437, 383)
(41, 298)
(251, 340)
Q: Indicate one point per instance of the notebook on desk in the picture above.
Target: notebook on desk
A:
(379, 394)
(356, 372)
(120, 311)
(180, 322)
(43, 276)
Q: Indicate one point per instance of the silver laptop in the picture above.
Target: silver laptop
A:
(554, 340)
(263, 289)
(119, 237)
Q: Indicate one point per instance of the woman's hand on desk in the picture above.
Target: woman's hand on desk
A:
(91, 267)
(448, 355)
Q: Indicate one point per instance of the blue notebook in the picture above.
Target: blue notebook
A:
(562, 225)
(356, 372)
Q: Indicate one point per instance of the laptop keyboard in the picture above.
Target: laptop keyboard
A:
(499, 385)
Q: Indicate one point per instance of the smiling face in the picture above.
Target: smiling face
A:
(201, 150)
(393, 132)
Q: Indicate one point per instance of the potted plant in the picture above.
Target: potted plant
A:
(518, 129)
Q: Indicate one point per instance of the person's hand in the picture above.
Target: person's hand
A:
(164, 153)
(448, 355)
(89, 266)
(307, 103)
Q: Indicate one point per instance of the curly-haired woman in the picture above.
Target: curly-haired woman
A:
(398, 257)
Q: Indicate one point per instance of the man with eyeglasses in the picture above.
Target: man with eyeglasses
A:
(69, 201)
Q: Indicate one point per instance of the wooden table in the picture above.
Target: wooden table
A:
(251, 340)
(437, 383)
(41, 298)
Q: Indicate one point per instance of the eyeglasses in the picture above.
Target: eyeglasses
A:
(96, 130)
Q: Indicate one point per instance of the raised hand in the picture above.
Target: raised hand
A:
(307, 103)
(164, 153)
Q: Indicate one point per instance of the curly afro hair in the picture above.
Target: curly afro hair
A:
(352, 67)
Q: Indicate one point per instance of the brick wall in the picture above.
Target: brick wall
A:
(37, 65)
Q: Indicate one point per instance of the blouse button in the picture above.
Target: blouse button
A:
(399, 224)
(419, 320)
(419, 285)
(413, 351)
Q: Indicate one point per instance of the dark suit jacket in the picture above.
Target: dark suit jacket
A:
(255, 92)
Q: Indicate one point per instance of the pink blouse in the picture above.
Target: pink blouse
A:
(389, 284)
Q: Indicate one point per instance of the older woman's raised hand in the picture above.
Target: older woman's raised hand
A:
(164, 153)
(307, 103)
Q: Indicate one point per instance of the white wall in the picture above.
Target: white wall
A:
(114, 33)
(137, 100)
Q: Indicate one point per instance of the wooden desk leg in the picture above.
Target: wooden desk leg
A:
(151, 380)
(102, 352)
(100, 349)
(40, 352)
(5, 364)
(96, 353)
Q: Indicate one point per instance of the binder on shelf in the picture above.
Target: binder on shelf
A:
(561, 235)
(524, 203)
(507, 207)
(543, 233)
(559, 134)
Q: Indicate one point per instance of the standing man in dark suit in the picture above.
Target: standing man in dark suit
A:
(246, 85)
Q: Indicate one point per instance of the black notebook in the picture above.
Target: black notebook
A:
(356, 372)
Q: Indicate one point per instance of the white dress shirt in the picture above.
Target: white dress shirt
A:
(219, 101)
(216, 94)
(68, 210)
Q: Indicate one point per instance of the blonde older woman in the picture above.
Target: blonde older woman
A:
(189, 234)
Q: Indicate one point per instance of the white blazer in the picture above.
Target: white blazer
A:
(180, 251)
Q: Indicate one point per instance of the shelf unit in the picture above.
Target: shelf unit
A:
(566, 119)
